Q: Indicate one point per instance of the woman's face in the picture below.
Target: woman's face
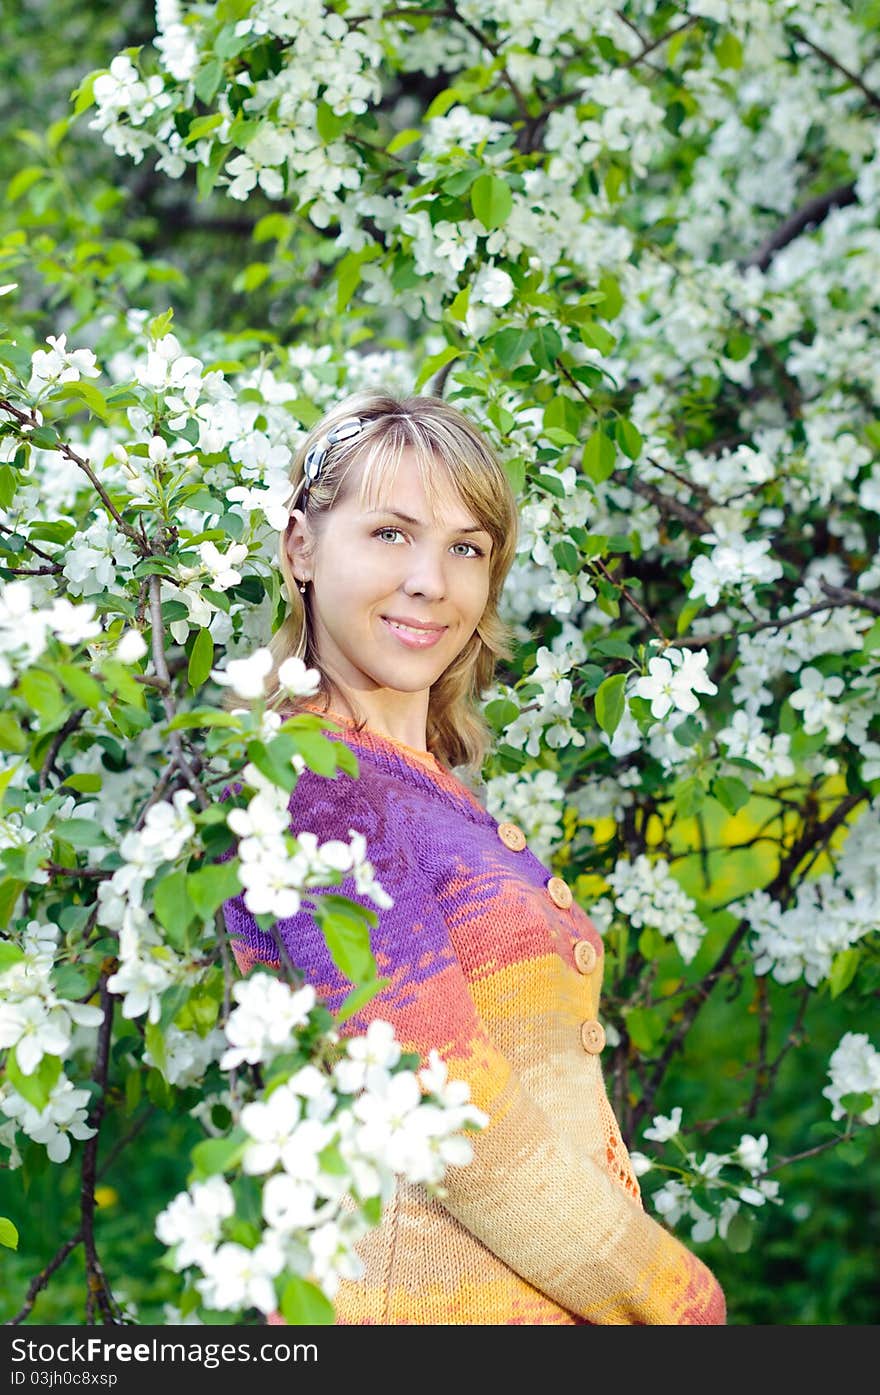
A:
(370, 566)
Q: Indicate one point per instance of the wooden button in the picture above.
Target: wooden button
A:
(559, 893)
(511, 836)
(585, 956)
(592, 1037)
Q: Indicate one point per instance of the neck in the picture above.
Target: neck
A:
(406, 724)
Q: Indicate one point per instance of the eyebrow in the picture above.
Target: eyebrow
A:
(405, 518)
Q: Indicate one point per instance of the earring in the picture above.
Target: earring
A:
(302, 587)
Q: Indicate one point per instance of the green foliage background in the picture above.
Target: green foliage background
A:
(102, 227)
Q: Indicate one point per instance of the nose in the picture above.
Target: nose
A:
(426, 572)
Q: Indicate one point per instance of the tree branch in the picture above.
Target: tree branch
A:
(161, 666)
(873, 97)
(29, 418)
(97, 1287)
(811, 214)
(776, 890)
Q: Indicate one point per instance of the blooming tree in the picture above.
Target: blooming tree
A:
(639, 246)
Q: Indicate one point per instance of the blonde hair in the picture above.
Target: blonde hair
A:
(436, 433)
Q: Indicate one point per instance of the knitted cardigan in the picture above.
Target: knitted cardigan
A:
(494, 964)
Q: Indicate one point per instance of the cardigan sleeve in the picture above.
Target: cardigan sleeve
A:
(546, 1210)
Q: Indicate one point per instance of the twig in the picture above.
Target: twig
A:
(842, 595)
(161, 666)
(32, 547)
(808, 1153)
(873, 97)
(628, 596)
(522, 105)
(40, 1280)
(655, 43)
(766, 1073)
(813, 212)
(91, 873)
(775, 890)
(52, 570)
(58, 741)
(30, 419)
(97, 1286)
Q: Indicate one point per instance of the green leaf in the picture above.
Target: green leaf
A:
(329, 124)
(9, 954)
(304, 1305)
(8, 1233)
(319, 753)
(42, 693)
(83, 96)
(174, 910)
(651, 943)
(646, 1027)
(203, 717)
(12, 738)
(729, 51)
(612, 299)
(511, 345)
(348, 274)
(10, 890)
(557, 436)
(172, 999)
(597, 337)
(121, 683)
(738, 345)
(609, 702)
(871, 638)
(435, 362)
(36, 1087)
(740, 1232)
(733, 794)
(612, 647)
(274, 761)
(599, 456)
(690, 796)
(215, 1155)
(358, 998)
(629, 438)
(856, 1103)
(45, 437)
(546, 347)
(207, 84)
(686, 615)
(501, 712)
(9, 482)
(567, 556)
(403, 139)
(85, 392)
(201, 659)
(23, 180)
(515, 470)
(85, 783)
(211, 886)
(843, 970)
(71, 982)
(80, 685)
(80, 833)
(491, 200)
(206, 175)
(347, 934)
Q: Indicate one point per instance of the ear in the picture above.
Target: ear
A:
(298, 543)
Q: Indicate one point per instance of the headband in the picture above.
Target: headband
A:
(314, 461)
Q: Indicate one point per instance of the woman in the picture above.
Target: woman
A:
(394, 558)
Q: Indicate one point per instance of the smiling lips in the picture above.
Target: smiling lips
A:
(415, 636)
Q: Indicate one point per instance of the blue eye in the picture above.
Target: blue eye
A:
(478, 552)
